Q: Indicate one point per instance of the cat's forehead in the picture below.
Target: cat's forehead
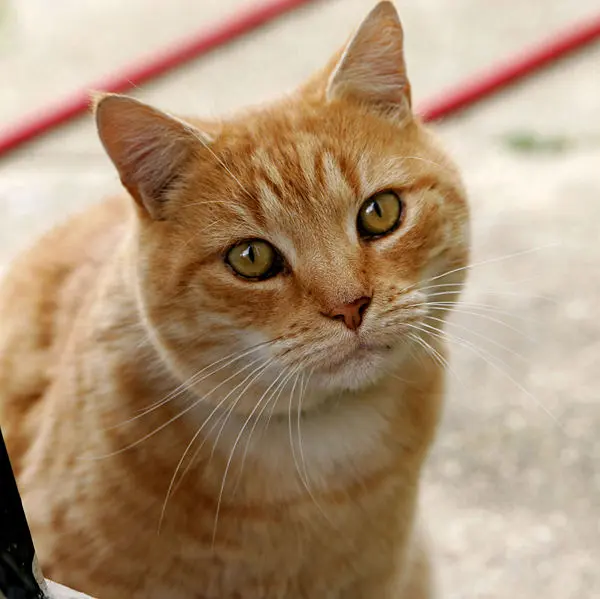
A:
(323, 152)
(292, 163)
(305, 163)
(303, 179)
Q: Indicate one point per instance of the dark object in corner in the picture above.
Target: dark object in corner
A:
(17, 554)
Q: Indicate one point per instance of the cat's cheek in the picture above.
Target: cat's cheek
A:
(412, 252)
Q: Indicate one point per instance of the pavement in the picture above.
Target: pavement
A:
(512, 490)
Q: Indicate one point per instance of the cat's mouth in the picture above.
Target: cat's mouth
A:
(365, 346)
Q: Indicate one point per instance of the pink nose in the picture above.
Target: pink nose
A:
(352, 314)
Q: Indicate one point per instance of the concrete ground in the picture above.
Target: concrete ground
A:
(512, 494)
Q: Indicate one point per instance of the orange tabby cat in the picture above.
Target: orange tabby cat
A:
(218, 386)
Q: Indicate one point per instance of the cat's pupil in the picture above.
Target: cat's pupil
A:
(374, 208)
(249, 253)
(377, 208)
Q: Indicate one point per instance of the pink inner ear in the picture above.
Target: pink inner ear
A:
(372, 69)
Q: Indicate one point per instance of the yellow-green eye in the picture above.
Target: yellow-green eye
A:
(380, 214)
(254, 259)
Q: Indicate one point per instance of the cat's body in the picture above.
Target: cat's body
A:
(126, 343)
(104, 515)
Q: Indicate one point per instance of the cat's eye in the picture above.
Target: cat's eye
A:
(254, 259)
(379, 215)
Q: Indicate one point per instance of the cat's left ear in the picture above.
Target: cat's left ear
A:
(149, 149)
(371, 69)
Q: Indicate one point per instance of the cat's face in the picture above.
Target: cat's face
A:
(298, 242)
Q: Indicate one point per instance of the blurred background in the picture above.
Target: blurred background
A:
(512, 493)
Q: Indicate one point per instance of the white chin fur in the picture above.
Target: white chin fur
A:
(356, 373)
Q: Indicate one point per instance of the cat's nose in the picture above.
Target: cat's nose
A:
(352, 314)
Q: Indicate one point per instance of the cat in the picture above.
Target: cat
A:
(224, 383)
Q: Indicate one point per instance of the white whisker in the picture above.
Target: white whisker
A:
(172, 488)
(235, 444)
(455, 287)
(224, 416)
(173, 419)
(303, 461)
(194, 380)
(275, 395)
(491, 261)
(480, 336)
(435, 354)
(487, 357)
(456, 305)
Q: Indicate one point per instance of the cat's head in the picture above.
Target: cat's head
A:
(300, 240)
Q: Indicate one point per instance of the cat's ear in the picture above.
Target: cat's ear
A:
(371, 69)
(149, 148)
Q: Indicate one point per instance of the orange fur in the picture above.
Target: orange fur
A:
(127, 343)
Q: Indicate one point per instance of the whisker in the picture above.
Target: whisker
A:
(456, 305)
(275, 395)
(205, 227)
(435, 354)
(301, 449)
(193, 380)
(478, 264)
(231, 454)
(491, 261)
(487, 357)
(426, 161)
(171, 420)
(489, 318)
(231, 410)
(172, 487)
(493, 292)
(480, 336)
(304, 467)
(225, 167)
(299, 470)
(296, 464)
(253, 376)
(303, 389)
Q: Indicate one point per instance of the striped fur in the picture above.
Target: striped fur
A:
(180, 432)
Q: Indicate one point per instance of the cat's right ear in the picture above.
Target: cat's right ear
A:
(149, 148)
(371, 70)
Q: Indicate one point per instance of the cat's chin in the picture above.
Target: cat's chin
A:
(361, 369)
